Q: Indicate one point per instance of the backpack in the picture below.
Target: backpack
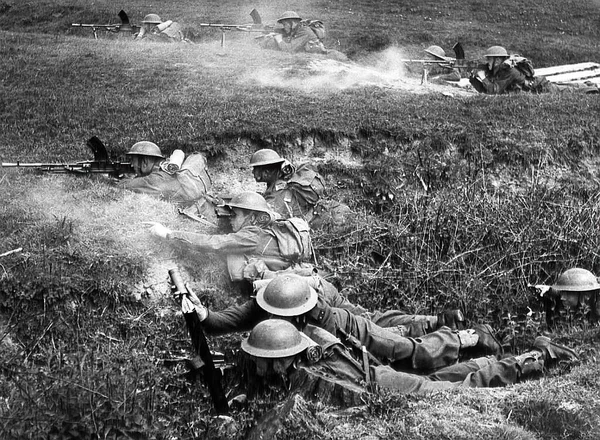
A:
(523, 65)
(293, 238)
(316, 26)
(306, 177)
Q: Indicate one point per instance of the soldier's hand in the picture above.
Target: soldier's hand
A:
(191, 303)
(480, 75)
(158, 230)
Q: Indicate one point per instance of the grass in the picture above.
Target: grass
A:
(461, 201)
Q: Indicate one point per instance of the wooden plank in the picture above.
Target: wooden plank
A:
(574, 76)
(547, 71)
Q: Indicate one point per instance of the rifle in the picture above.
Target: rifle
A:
(255, 26)
(355, 344)
(101, 163)
(212, 375)
(125, 26)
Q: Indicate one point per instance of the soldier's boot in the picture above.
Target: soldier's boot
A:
(553, 353)
(451, 318)
(531, 364)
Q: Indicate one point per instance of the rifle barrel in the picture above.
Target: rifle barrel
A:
(33, 165)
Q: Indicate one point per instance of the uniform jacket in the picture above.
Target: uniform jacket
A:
(181, 187)
(238, 247)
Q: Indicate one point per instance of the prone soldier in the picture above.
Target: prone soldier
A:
(296, 191)
(155, 176)
(289, 296)
(256, 236)
(275, 346)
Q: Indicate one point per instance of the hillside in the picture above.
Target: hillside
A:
(461, 200)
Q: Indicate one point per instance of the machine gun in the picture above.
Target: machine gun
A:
(459, 62)
(255, 26)
(101, 163)
(212, 374)
(125, 26)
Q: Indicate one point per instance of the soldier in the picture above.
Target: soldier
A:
(394, 320)
(154, 28)
(575, 293)
(296, 191)
(276, 347)
(503, 74)
(256, 236)
(297, 35)
(183, 186)
(291, 297)
(440, 72)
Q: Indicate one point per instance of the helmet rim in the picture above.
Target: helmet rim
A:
(271, 158)
(571, 275)
(301, 309)
(274, 326)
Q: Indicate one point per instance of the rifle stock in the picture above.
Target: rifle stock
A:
(212, 375)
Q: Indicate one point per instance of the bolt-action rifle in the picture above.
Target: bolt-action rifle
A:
(124, 26)
(255, 26)
(212, 374)
(351, 342)
(100, 164)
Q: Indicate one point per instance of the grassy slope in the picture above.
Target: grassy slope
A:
(513, 199)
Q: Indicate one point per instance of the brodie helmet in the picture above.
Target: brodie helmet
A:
(576, 280)
(145, 148)
(266, 156)
(287, 295)
(496, 51)
(274, 338)
(152, 19)
(251, 201)
(289, 15)
(436, 51)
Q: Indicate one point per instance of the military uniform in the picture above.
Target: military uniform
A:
(432, 351)
(481, 372)
(301, 195)
(182, 187)
(250, 243)
(509, 79)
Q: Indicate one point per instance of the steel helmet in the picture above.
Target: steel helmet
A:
(152, 19)
(496, 51)
(274, 338)
(145, 148)
(289, 15)
(287, 295)
(249, 200)
(266, 156)
(576, 280)
(436, 51)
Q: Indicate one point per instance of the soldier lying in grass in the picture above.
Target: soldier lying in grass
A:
(291, 296)
(256, 236)
(296, 191)
(183, 186)
(279, 350)
(503, 73)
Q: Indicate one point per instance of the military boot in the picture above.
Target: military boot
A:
(531, 364)
(553, 353)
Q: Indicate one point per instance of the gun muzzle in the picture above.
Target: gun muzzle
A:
(177, 281)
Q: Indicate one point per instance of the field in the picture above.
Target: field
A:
(461, 200)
